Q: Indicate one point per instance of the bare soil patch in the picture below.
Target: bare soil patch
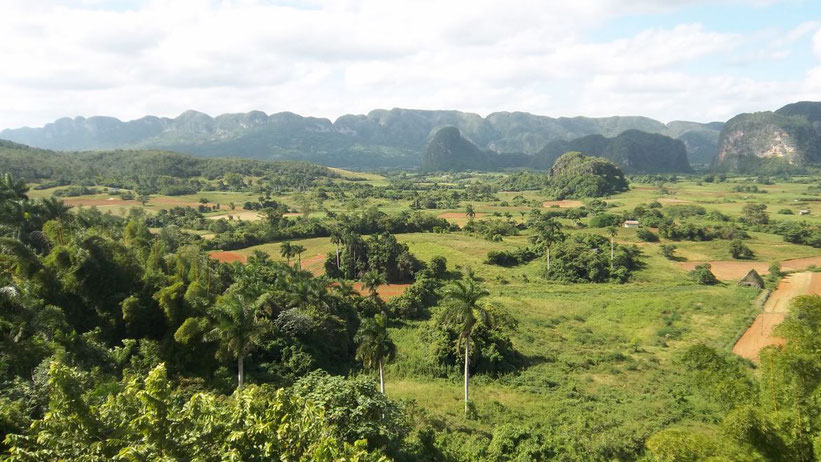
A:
(730, 269)
(227, 257)
(564, 204)
(246, 215)
(737, 269)
(800, 263)
(385, 291)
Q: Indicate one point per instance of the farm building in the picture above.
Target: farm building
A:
(631, 224)
(804, 212)
(752, 279)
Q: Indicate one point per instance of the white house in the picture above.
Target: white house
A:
(631, 224)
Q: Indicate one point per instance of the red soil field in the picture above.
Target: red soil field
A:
(385, 291)
(565, 204)
(731, 269)
(227, 257)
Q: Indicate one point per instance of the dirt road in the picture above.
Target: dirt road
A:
(760, 333)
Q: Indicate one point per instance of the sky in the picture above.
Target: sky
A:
(665, 59)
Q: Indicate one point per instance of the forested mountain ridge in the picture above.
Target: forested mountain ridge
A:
(382, 138)
(633, 151)
(785, 139)
(150, 170)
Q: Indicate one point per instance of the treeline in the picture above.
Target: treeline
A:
(276, 227)
(156, 171)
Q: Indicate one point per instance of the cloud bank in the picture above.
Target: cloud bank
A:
(328, 58)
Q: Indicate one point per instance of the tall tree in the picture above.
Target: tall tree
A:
(547, 231)
(336, 239)
(462, 311)
(375, 345)
(372, 280)
(470, 212)
(613, 231)
(237, 328)
(286, 250)
(298, 250)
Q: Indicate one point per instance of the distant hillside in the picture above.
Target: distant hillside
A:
(449, 150)
(769, 142)
(382, 138)
(145, 169)
(633, 151)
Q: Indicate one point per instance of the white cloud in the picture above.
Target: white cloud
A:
(329, 58)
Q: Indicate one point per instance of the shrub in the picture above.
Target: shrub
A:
(785, 212)
(702, 275)
(438, 267)
(511, 257)
(415, 302)
(646, 235)
(740, 251)
(669, 251)
(586, 258)
(604, 220)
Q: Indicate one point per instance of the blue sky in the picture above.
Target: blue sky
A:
(666, 59)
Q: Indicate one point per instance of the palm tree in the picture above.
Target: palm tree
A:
(12, 188)
(462, 312)
(371, 281)
(344, 289)
(53, 208)
(469, 211)
(286, 250)
(336, 239)
(613, 232)
(375, 345)
(548, 231)
(237, 328)
(298, 251)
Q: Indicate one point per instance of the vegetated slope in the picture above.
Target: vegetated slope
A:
(575, 175)
(382, 138)
(128, 167)
(767, 142)
(449, 150)
(633, 151)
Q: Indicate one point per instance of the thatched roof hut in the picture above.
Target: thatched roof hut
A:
(752, 279)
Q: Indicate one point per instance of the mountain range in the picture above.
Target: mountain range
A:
(382, 138)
